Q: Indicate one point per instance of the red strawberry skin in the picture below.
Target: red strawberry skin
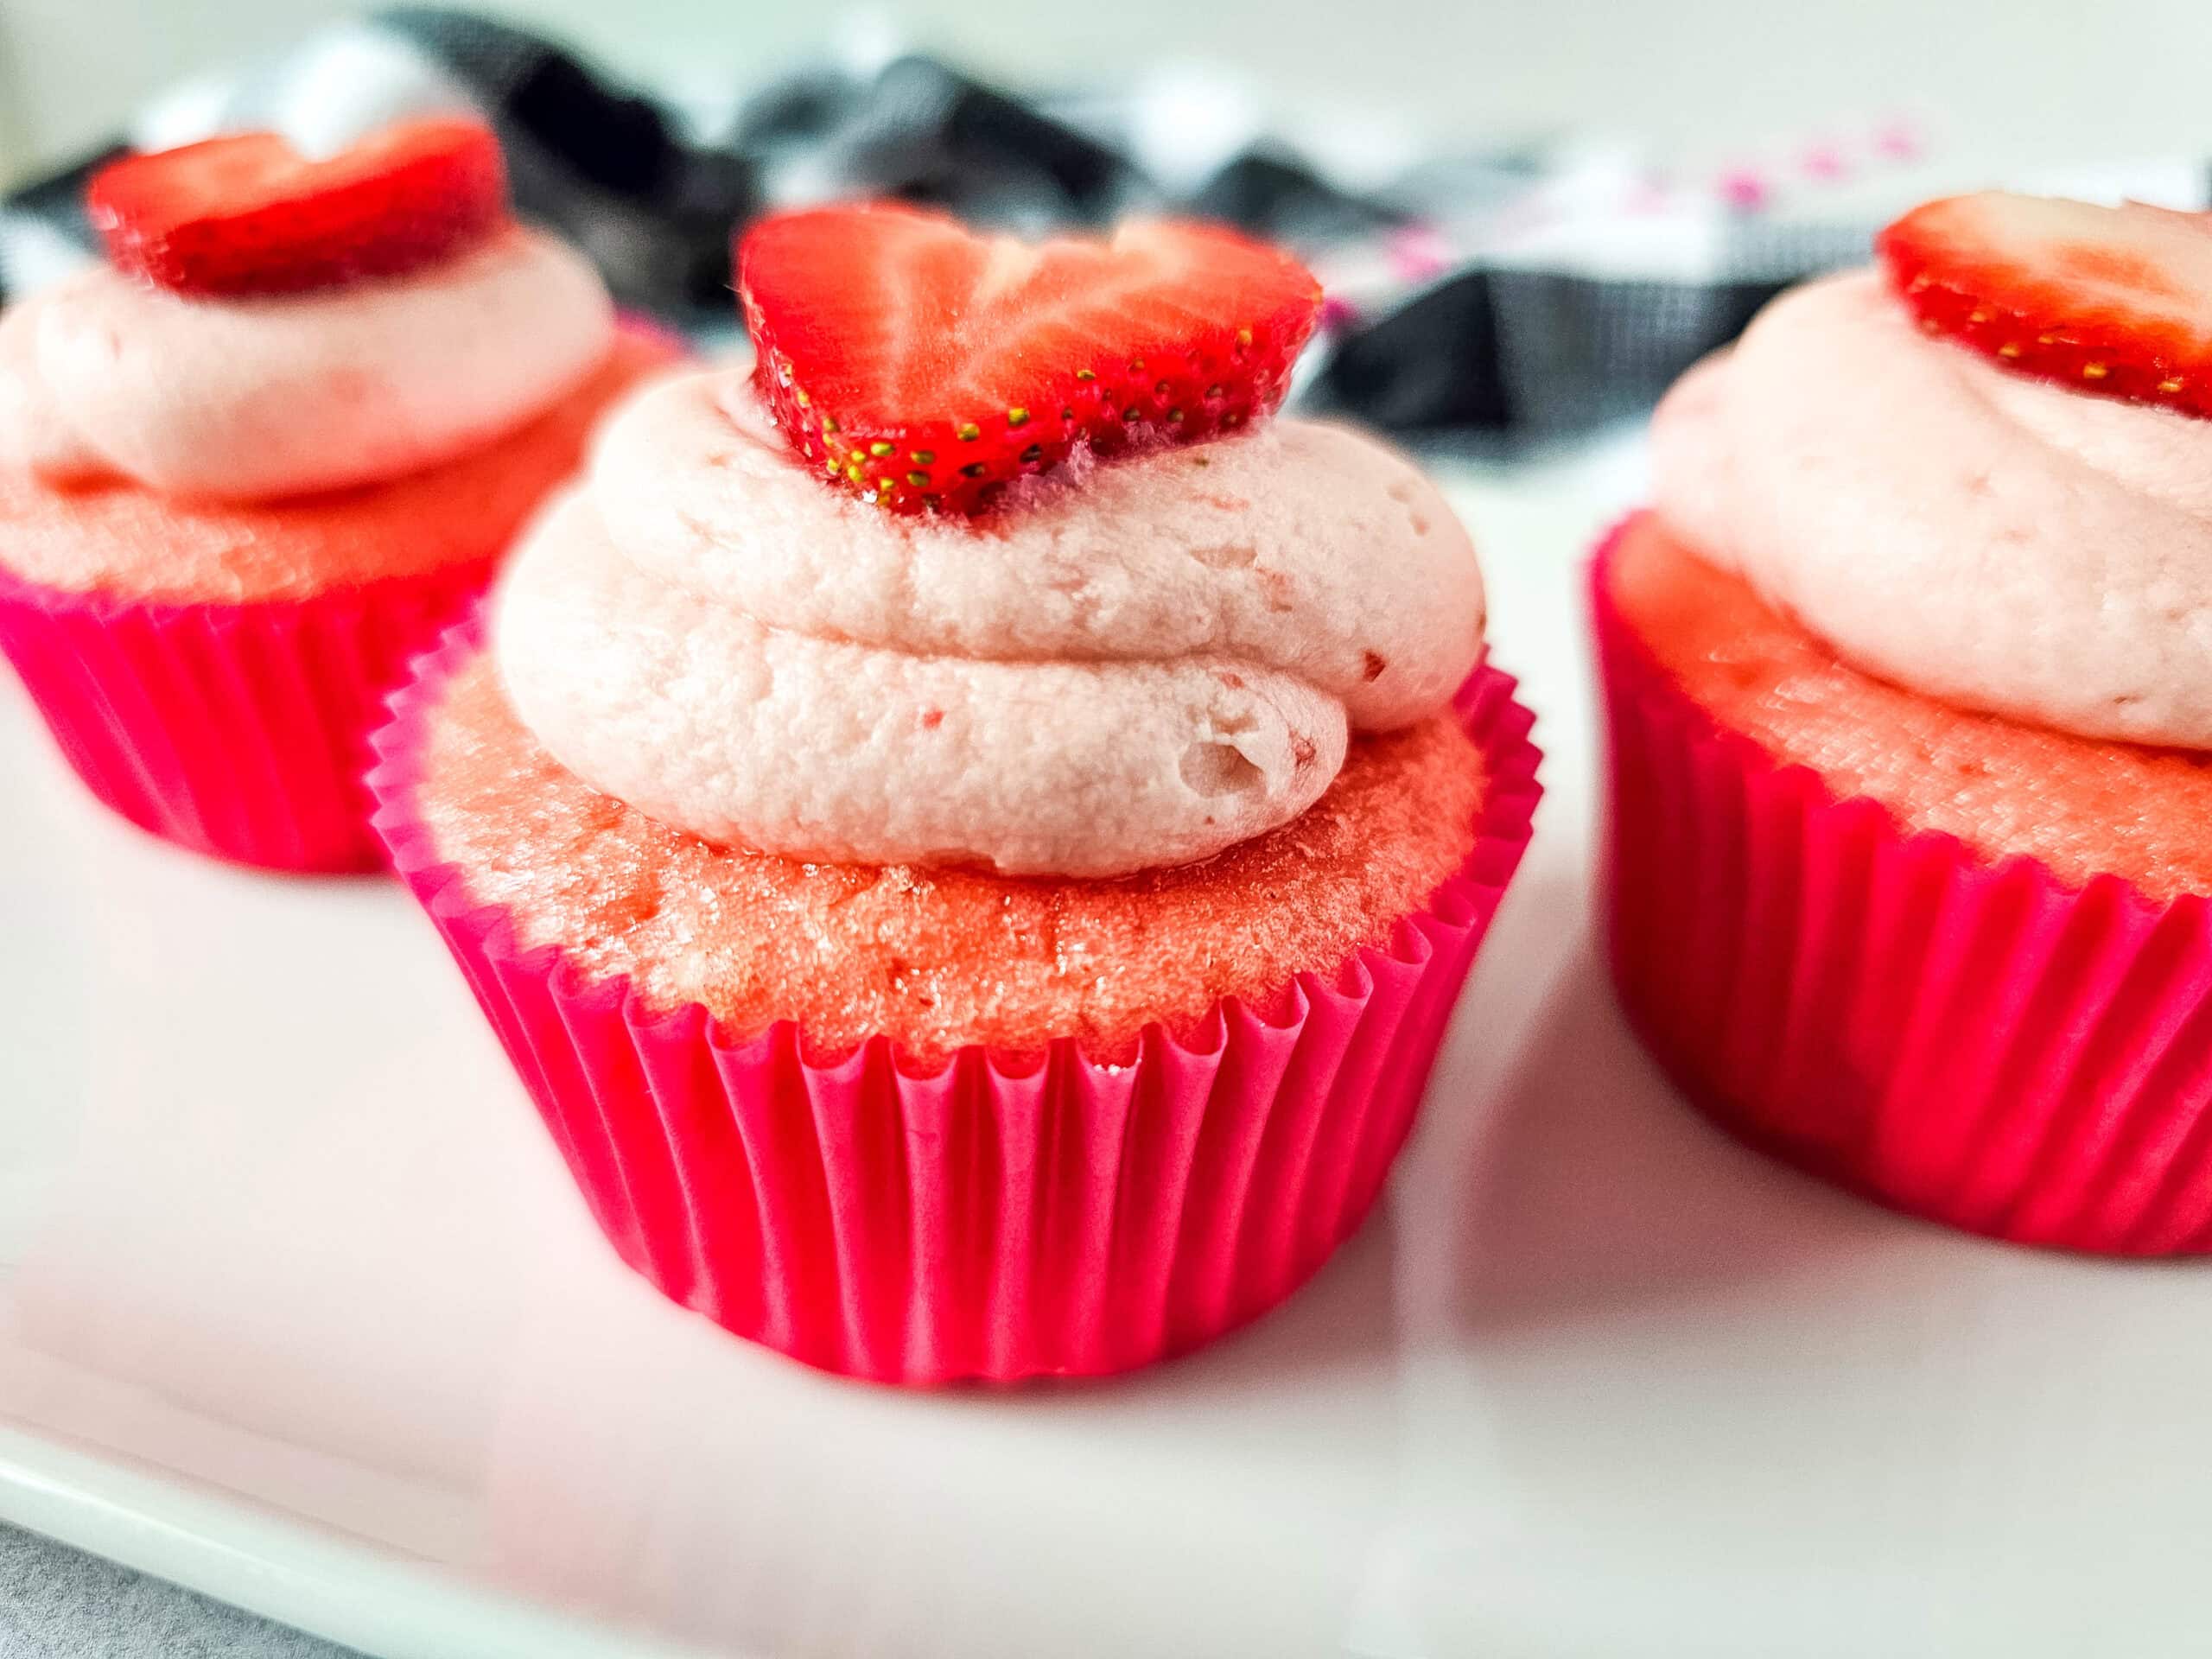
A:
(245, 213)
(2113, 301)
(924, 367)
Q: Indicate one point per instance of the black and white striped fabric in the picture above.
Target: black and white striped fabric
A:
(1527, 292)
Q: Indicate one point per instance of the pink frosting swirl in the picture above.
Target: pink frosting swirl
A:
(1994, 541)
(245, 399)
(1138, 664)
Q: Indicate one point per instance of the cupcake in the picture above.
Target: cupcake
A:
(970, 833)
(261, 456)
(1909, 678)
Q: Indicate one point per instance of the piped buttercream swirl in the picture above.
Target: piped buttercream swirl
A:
(1997, 542)
(1135, 664)
(258, 398)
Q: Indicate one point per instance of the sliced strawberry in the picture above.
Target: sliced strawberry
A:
(248, 214)
(923, 367)
(2116, 301)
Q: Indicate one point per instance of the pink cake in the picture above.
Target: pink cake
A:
(986, 944)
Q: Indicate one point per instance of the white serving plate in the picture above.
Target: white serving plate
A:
(297, 1307)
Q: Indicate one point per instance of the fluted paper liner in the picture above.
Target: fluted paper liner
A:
(997, 1216)
(239, 730)
(1974, 1042)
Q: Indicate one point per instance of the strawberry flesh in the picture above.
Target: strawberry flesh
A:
(245, 213)
(924, 367)
(2115, 301)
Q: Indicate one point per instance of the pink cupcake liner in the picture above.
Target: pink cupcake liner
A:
(995, 1217)
(1976, 1043)
(237, 730)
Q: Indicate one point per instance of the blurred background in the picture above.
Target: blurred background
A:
(1529, 216)
(1700, 80)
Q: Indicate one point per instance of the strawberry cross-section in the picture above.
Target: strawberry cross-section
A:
(923, 367)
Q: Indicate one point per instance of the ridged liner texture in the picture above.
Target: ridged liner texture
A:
(1969, 1040)
(237, 730)
(994, 1217)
